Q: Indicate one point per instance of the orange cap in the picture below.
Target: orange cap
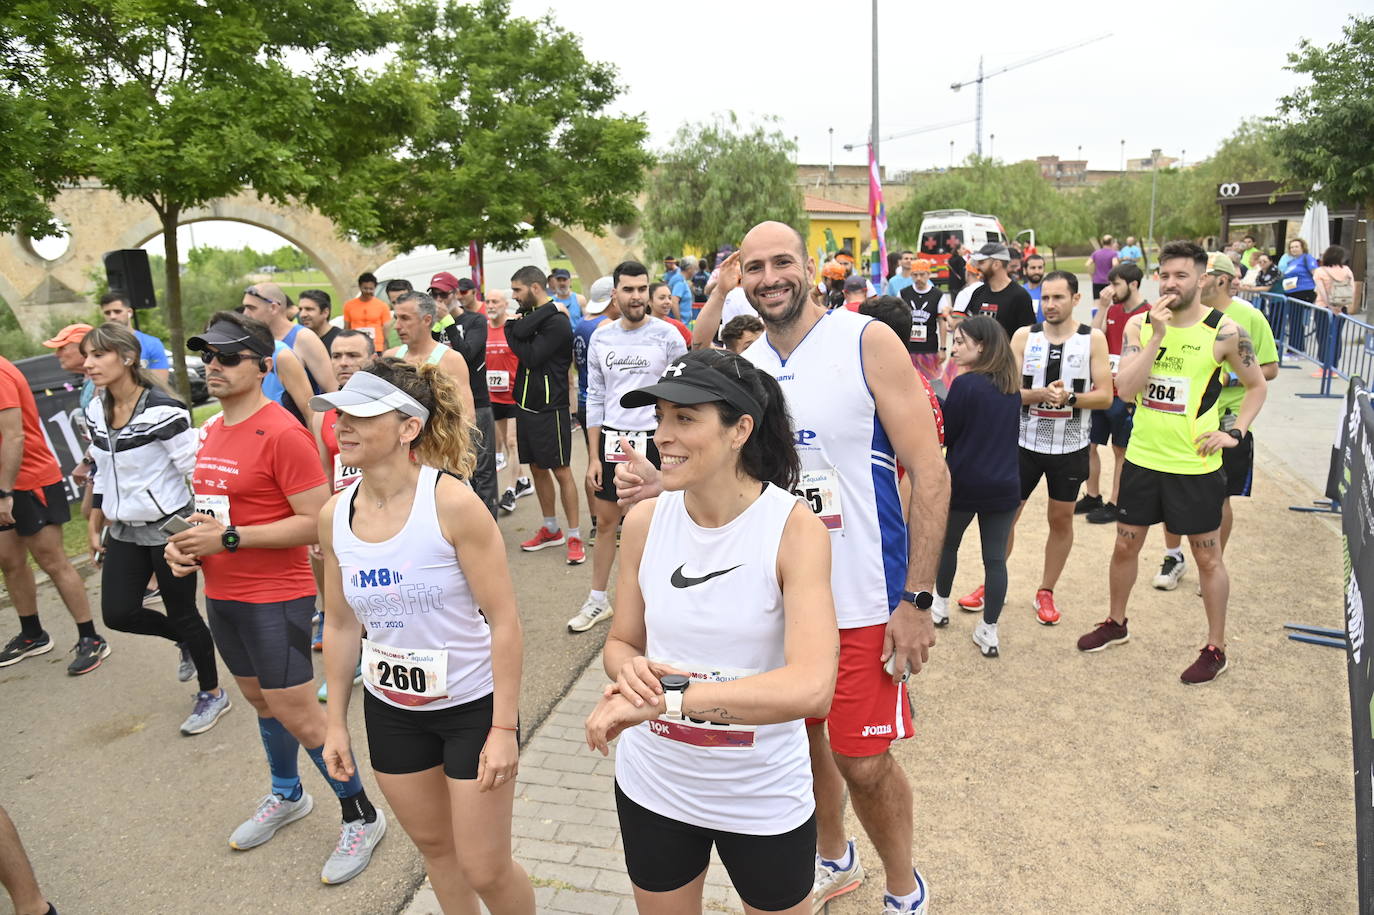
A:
(833, 272)
(72, 333)
(920, 265)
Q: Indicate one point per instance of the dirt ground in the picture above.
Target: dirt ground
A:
(1047, 780)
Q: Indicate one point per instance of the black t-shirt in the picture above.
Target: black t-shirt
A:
(328, 337)
(1012, 306)
(467, 336)
(925, 318)
(957, 279)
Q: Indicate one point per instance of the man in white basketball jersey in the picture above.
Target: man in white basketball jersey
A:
(857, 410)
(1065, 372)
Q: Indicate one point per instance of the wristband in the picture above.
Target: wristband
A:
(497, 727)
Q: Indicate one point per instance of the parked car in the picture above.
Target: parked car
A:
(195, 374)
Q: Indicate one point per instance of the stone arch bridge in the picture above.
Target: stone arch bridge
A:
(98, 220)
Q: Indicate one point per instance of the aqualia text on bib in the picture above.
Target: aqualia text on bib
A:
(344, 475)
(498, 380)
(821, 490)
(610, 444)
(215, 505)
(406, 676)
(1166, 393)
(707, 734)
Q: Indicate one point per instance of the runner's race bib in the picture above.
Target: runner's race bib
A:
(498, 380)
(1050, 411)
(918, 333)
(1290, 283)
(371, 333)
(1166, 393)
(214, 505)
(821, 490)
(344, 475)
(1114, 361)
(406, 676)
(610, 444)
(706, 734)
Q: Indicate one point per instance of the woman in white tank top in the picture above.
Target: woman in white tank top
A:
(717, 660)
(410, 554)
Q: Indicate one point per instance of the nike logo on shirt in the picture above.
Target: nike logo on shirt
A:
(678, 580)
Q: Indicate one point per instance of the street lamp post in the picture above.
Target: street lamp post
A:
(1154, 190)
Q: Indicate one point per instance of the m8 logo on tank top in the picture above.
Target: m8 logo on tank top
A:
(397, 599)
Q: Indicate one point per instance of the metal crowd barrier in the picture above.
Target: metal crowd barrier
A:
(1340, 345)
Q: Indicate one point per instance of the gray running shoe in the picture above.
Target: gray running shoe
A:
(186, 668)
(206, 712)
(274, 812)
(357, 841)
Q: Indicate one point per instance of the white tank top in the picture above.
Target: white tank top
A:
(1047, 429)
(718, 615)
(427, 645)
(849, 468)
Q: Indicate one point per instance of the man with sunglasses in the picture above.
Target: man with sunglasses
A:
(259, 488)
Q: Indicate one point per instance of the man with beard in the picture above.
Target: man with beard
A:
(541, 337)
(1064, 374)
(1034, 267)
(1112, 425)
(999, 297)
(857, 410)
(313, 313)
(1171, 365)
(927, 337)
(623, 356)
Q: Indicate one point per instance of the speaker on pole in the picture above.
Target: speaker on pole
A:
(127, 272)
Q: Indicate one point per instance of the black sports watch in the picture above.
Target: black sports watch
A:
(1235, 434)
(1073, 399)
(6, 493)
(921, 600)
(230, 538)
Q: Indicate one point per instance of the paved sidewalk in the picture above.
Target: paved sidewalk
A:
(565, 829)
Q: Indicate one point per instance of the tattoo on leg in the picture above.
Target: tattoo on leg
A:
(1207, 544)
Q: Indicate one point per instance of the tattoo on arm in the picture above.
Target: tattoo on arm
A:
(1247, 349)
(1129, 350)
(720, 711)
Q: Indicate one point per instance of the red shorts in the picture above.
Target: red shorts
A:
(869, 711)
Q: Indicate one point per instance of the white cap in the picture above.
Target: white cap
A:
(599, 296)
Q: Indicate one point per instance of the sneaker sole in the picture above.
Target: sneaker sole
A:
(1041, 620)
(835, 894)
(31, 653)
(988, 651)
(1121, 641)
(576, 562)
(1225, 667)
(1166, 585)
(364, 859)
(213, 721)
(977, 608)
(591, 625)
(104, 653)
(519, 494)
(940, 624)
(299, 814)
(544, 546)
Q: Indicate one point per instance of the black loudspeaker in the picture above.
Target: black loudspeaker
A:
(127, 271)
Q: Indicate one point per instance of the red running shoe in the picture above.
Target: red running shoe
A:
(973, 601)
(1045, 610)
(541, 539)
(576, 554)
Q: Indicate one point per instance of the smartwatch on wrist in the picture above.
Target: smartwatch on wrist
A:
(1235, 434)
(1073, 399)
(674, 689)
(230, 538)
(921, 600)
(6, 493)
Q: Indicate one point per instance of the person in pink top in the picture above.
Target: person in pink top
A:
(1335, 284)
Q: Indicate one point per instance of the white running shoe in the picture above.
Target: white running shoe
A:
(274, 812)
(500, 461)
(985, 637)
(1169, 573)
(357, 841)
(831, 882)
(939, 611)
(892, 907)
(592, 612)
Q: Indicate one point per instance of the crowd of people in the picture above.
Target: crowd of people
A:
(785, 462)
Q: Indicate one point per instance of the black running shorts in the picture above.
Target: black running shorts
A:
(1063, 473)
(771, 873)
(35, 509)
(401, 741)
(607, 491)
(270, 642)
(501, 411)
(544, 439)
(1187, 503)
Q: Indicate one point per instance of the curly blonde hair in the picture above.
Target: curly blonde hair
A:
(446, 441)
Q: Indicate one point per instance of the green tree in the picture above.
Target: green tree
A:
(1325, 129)
(715, 183)
(177, 104)
(514, 140)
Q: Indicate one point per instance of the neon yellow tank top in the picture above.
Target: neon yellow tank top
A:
(1179, 400)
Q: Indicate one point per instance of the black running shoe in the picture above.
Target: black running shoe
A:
(21, 647)
(1087, 504)
(507, 501)
(1106, 514)
(90, 651)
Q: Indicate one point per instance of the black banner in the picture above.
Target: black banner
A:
(58, 395)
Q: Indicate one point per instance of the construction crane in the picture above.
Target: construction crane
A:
(981, 77)
(913, 132)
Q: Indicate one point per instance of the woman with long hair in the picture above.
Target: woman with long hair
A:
(144, 447)
(1334, 283)
(410, 555)
(1297, 283)
(982, 420)
(718, 659)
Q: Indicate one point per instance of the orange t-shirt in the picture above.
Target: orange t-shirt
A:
(370, 317)
(39, 467)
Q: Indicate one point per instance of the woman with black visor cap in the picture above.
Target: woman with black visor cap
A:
(717, 660)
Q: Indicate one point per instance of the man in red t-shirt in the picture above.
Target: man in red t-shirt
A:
(259, 488)
(33, 508)
(501, 369)
(1119, 301)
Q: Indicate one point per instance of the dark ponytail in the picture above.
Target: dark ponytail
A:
(770, 454)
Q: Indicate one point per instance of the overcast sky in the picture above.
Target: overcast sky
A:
(1176, 75)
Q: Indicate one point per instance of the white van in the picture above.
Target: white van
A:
(420, 265)
(945, 231)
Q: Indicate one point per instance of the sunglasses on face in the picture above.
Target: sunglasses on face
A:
(228, 360)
